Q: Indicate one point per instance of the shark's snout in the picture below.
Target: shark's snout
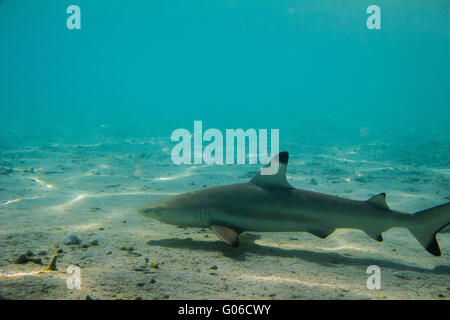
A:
(151, 211)
(170, 210)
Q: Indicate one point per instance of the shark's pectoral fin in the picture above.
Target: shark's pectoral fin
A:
(321, 233)
(228, 235)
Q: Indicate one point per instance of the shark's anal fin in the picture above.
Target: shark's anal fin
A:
(273, 174)
(227, 235)
(321, 233)
(374, 235)
(379, 200)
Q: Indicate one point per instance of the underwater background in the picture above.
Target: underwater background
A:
(86, 118)
(299, 66)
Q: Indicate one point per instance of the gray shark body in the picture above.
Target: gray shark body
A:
(268, 203)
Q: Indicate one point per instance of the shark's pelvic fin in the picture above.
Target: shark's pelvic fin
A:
(228, 235)
(379, 200)
(278, 179)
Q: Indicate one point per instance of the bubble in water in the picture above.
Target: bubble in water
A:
(364, 131)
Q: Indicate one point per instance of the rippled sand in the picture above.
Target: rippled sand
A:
(51, 189)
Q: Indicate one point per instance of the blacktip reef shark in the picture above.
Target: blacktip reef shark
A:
(268, 203)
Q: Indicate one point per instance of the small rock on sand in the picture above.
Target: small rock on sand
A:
(402, 275)
(126, 248)
(71, 239)
(27, 257)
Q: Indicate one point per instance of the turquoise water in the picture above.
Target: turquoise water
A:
(292, 65)
(86, 118)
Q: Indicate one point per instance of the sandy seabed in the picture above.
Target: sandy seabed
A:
(48, 190)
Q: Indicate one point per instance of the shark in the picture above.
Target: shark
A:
(269, 203)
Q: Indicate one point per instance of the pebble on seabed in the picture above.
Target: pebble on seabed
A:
(71, 239)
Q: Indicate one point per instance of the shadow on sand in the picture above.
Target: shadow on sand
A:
(248, 246)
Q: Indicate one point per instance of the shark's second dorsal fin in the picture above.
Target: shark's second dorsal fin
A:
(379, 200)
(273, 174)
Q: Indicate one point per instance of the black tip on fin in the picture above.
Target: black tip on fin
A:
(379, 200)
(433, 247)
(321, 233)
(283, 157)
(375, 235)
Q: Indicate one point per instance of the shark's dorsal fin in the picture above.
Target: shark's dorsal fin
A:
(379, 200)
(273, 174)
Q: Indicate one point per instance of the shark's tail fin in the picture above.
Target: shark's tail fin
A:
(429, 222)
